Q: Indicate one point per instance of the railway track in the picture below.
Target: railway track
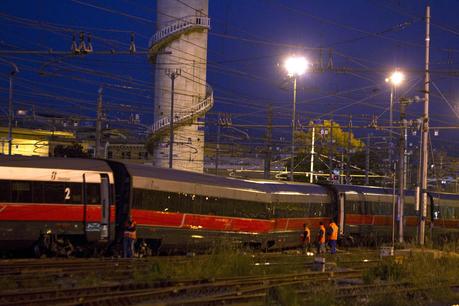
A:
(58, 281)
(179, 292)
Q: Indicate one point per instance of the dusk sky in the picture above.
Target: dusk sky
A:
(248, 42)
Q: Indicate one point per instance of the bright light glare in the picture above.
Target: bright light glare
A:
(396, 78)
(296, 65)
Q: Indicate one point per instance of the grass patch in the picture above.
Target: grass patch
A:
(431, 273)
(226, 262)
(283, 295)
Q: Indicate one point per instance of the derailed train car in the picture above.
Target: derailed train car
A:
(184, 210)
(63, 206)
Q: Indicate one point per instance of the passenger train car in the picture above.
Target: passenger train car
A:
(54, 204)
(64, 206)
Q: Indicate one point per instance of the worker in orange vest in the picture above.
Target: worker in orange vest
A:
(130, 235)
(332, 236)
(306, 238)
(321, 239)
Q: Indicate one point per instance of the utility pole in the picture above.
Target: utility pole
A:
(10, 106)
(292, 162)
(348, 166)
(405, 156)
(330, 151)
(172, 75)
(311, 176)
(391, 111)
(401, 168)
(269, 146)
(367, 160)
(217, 151)
(393, 206)
(425, 135)
(98, 153)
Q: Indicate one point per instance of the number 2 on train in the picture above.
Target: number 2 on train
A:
(67, 193)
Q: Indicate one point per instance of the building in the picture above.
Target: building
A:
(179, 51)
(34, 142)
(134, 152)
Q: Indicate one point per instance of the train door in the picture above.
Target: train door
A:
(105, 206)
(341, 212)
(96, 191)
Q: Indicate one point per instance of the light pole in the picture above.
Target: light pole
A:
(395, 79)
(295, 66)
(10, 104)
(173, 75)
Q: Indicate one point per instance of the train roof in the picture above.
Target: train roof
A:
(361, 189)
(54, 163)
(207, 179)
(446, 196)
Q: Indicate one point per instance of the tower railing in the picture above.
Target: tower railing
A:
(168, 33)
(180, 117)
(177, 27)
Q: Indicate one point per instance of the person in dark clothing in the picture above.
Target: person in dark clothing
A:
(130, 235)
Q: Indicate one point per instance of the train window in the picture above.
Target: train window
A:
(318, 209)
(451, 212)
(354, 207)
(409, 210)
(21, 191)
(371, 208)
(93, 193)
(197, 204)
(37, 192)
(290, 210)
(5, 192)
(59, 192)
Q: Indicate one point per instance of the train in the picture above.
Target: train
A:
(70, 207)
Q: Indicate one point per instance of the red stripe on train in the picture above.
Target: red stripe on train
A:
(51, 212)
(221, 223)
(355, 219)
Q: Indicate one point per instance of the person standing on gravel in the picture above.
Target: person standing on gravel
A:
(332, 236)
(321, 239)
(306, 238)
(130, 235)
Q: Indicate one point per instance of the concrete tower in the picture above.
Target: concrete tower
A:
(179, 51)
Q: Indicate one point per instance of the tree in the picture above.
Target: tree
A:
(340, 149)
(73, 150)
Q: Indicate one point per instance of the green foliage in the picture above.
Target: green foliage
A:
(90, 280)
(387, 270)
(222, 262)
(73, 150)
(283, 295)
(7, 284)
(323, 296)
(430, 272)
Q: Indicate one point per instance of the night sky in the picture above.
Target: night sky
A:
(248, 42)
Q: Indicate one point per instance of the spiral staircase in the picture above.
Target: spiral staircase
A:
(159, 41)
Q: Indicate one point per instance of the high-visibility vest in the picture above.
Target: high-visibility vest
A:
(307, 235)
(321, 234)
(130, 230)
(334, 233)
